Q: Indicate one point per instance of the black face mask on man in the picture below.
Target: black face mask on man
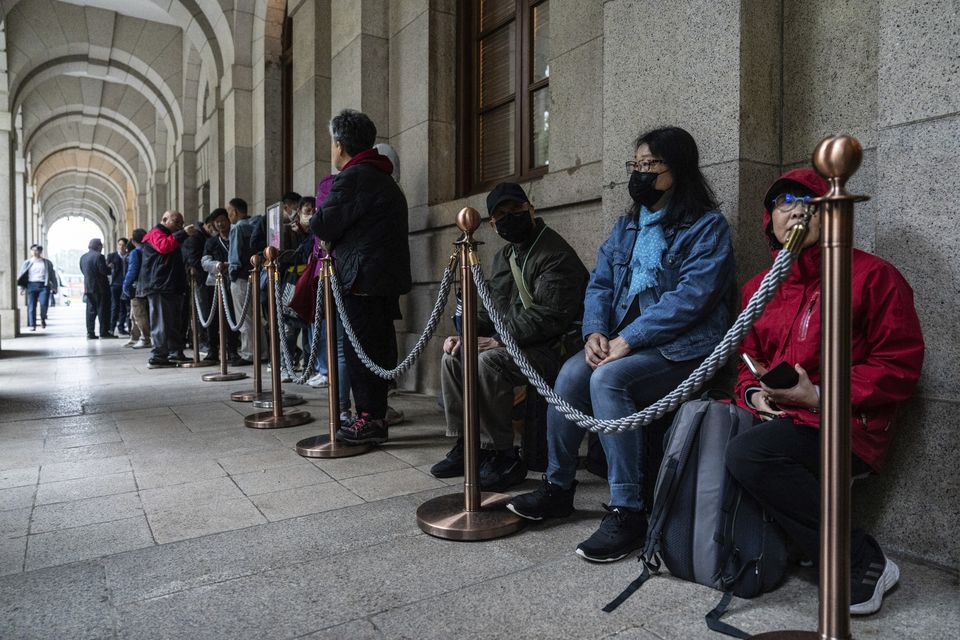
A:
(515, 227)
(642, 190)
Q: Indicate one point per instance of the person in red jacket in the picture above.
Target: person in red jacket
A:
(778, 461)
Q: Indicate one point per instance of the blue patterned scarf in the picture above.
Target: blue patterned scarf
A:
(647, 250)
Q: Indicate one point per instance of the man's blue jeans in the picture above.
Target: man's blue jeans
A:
(36, 292)
(613, 390)
(320, 366)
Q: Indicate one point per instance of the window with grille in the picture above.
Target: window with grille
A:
(504, 92)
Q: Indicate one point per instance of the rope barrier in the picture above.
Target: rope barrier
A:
(235, 326)
(707, 369)
(199, 307)
(400, 369)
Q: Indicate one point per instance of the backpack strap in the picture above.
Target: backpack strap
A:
(525, 297)
(630, 590)
(715, 624)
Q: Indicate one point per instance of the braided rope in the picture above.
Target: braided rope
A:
(199, 307)
(235, 326)
(400, 369)
(707, 369)
(285, 357)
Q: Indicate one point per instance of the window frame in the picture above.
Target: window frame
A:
(468, 176)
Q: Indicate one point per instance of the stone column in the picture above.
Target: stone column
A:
(238, 134)
(311, 93)
(9, 312)
(360, 52)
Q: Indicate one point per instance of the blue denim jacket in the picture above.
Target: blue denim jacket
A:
(686, 313)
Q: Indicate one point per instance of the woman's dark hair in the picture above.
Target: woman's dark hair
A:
(37, 247)
(692, 195)
(307, 200)
(354, 131)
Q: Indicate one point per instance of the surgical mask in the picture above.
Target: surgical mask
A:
(642, 190)
(515, 227)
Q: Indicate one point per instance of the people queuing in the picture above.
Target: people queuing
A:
(119, 308)
(216, 250)
(96, 290)
(37, 280)
(538, 281)
(133, 292)
(241, 248)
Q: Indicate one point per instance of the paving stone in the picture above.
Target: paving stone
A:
(12, 551)
(151, 475)
(84, 468)
(19, 477)
(259, 460)
(302, 501)
(191, 520)
(391, 483)
(89, 541)
(344, 587)
(16, 498)
(80, 488)
(190, 493)
(65, 515)
(375, 461)
(81, 440)
(63, 602)
(355, 630)
(14, 522)
(277, 479)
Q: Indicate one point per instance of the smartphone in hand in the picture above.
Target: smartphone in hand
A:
(782, 376)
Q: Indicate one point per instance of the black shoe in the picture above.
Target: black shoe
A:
(160, 362)
(43, 324)
(452, 465)
(108, 336)
(872, 574)
(212, 357)
(549, 501)
(92, 337)
(501, 470)
(621, 531)
(179, 356)
(33, 328)
(240, 362)
(364, 430)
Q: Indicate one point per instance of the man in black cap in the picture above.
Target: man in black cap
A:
(538, 283)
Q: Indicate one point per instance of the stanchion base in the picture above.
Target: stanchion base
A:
(266, 420)
(250, 395)
(201, 363)
(445, 517)
(787, 635)
(321, 447)
(223, 377)
(289, 400)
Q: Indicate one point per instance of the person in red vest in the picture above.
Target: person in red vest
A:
(778, 461)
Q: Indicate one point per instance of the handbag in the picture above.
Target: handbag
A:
(304, 299)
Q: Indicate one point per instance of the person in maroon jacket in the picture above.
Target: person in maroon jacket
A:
(778, 461)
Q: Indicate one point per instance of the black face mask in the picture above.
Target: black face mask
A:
(642, 190)
(515, 227)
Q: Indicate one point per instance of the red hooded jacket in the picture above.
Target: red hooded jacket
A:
(887, 351)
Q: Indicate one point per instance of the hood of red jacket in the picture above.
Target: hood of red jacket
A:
(805, 177)
(373, 158)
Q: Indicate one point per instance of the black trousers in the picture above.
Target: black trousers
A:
(372, 319)
(166, 334)
(98, 310)
(778, 463)
(207, 298)
(119, 310)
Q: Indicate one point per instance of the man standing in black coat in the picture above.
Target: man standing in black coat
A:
(96, 289)
(119, 308)
(364, 219)
(163, 280)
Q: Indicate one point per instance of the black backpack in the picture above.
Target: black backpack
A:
(703, 526)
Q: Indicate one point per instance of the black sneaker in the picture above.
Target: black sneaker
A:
(452, 465)
(364, 430)
(549, 501)
(872, 574)
(502, 469)
(108, 336)
(180, 356)
(90, 336)
(211, 357)
(160, 362)
(621, 531)
(240, 362)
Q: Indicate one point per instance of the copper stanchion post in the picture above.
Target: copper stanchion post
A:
(261, 399)
(274, 419)
(471, 515)
(326, 446)
(220, 300)
(196, 362)
(836, 158)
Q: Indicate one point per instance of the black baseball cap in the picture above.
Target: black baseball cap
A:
(216, 213)
(505, 192)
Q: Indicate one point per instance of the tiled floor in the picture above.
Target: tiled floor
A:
(135, 504)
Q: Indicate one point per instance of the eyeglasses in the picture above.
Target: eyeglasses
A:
(641, 165)
(788, 202)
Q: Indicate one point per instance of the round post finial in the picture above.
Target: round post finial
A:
(837, 158)
(271, 254)
(222, 267)
(255, 261)
(468, 220)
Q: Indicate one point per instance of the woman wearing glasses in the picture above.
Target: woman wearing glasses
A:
(778, 461)
(659, 300)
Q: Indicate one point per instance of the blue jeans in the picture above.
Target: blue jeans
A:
(37, 291)
(613, 390)
(321, 364)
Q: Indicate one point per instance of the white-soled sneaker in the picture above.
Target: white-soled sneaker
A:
(318, 381)
(871, 577)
